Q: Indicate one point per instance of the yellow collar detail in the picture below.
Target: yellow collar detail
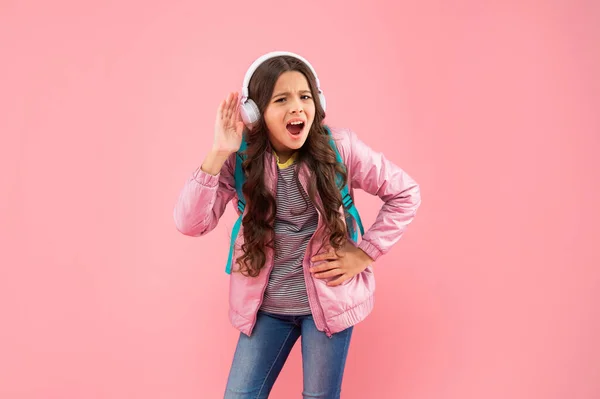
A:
(287, 163)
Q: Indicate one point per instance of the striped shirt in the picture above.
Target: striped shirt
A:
(295, 222)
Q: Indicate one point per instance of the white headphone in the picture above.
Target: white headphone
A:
(248, 108)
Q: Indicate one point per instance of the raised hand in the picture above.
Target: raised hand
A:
(228, 126)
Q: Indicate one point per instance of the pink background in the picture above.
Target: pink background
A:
(107, 107)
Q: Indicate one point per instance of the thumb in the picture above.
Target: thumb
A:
(239, 127)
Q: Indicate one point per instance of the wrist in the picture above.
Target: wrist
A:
(218, 154)
(213, 162)
(365, 257)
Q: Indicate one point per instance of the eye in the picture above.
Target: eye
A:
(280, 99)
(306, 97)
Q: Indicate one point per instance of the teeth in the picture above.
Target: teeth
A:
(296, 123)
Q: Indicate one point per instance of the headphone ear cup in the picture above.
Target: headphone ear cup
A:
(249, 113)
(323, 102)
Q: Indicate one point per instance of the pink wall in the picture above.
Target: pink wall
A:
(105, 109)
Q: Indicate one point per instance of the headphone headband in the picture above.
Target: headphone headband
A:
(266, 57)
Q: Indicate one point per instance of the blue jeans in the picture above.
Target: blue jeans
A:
(259, 358)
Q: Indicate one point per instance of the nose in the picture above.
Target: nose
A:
(296, 106)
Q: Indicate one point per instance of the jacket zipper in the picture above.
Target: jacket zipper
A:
(312, 290)
(313, 298)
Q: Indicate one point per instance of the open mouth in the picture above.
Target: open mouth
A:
(295, 127)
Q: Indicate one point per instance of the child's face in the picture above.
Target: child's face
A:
(292, 101)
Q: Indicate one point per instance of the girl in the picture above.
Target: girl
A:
(295, 270)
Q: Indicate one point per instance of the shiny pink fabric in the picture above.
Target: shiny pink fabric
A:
(204, 197)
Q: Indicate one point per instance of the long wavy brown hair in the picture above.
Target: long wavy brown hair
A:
(316, 153)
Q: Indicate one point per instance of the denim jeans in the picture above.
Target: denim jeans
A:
(259, 358)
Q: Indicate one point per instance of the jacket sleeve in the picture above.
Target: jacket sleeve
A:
(203, 200)
(372, 172)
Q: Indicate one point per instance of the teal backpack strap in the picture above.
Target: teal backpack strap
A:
(239, 182)
(349, 207)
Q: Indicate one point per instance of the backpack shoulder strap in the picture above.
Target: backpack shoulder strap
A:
(240, 179)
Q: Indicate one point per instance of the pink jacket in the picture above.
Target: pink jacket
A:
(204, 197)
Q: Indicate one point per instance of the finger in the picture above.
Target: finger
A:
(324, 267)
(232, 96)
(234, 108)
(238, 118)
(338, 280)
(221, 110)
(227, 114)
(239, 128)
(325, 256)
(330, 273)
(225, 107)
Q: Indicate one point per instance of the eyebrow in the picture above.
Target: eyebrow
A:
(286, 93)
